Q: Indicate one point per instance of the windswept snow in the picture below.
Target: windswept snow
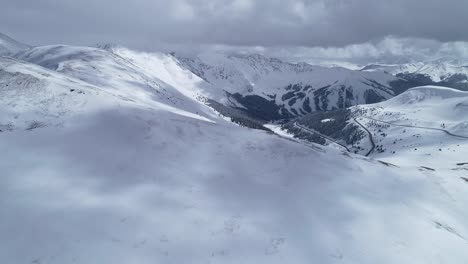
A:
(33, 96)
(122, 77)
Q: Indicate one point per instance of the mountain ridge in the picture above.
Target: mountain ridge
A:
(9, 46)
(296, 89)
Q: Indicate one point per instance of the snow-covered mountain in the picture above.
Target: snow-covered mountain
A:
(9, 46)
(426, 124)
(111, 156)
(139, 77)
(446, 71)
(34, 97)
(289, 89)
(266, 89)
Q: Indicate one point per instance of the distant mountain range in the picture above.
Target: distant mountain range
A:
(262, 88)
(285, 89)
(448, 72)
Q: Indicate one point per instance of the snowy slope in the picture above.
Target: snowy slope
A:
(135, 78)
(9, 46)
(425, 126)
(169, 70)
(428, 125)
(33, 97)
(296, 88)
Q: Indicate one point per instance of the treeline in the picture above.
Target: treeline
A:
(238, 116)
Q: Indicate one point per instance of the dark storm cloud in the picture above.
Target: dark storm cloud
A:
(149, 23)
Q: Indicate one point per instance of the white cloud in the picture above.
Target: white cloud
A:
(387, 50)
(182, 10)
(242, 5)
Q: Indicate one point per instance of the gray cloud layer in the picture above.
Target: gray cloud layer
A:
(387, 50)
(150, 23)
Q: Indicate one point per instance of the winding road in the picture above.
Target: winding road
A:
(371, 137)
(421, 127)
(309, 130)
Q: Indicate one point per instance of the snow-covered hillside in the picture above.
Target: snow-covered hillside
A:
(135, 76)
(32, 97)
(425, 125)
(296, 89)
(428, 125)
(112, 156)
(9, 46)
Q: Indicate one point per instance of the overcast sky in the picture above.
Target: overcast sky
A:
(341, 27)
